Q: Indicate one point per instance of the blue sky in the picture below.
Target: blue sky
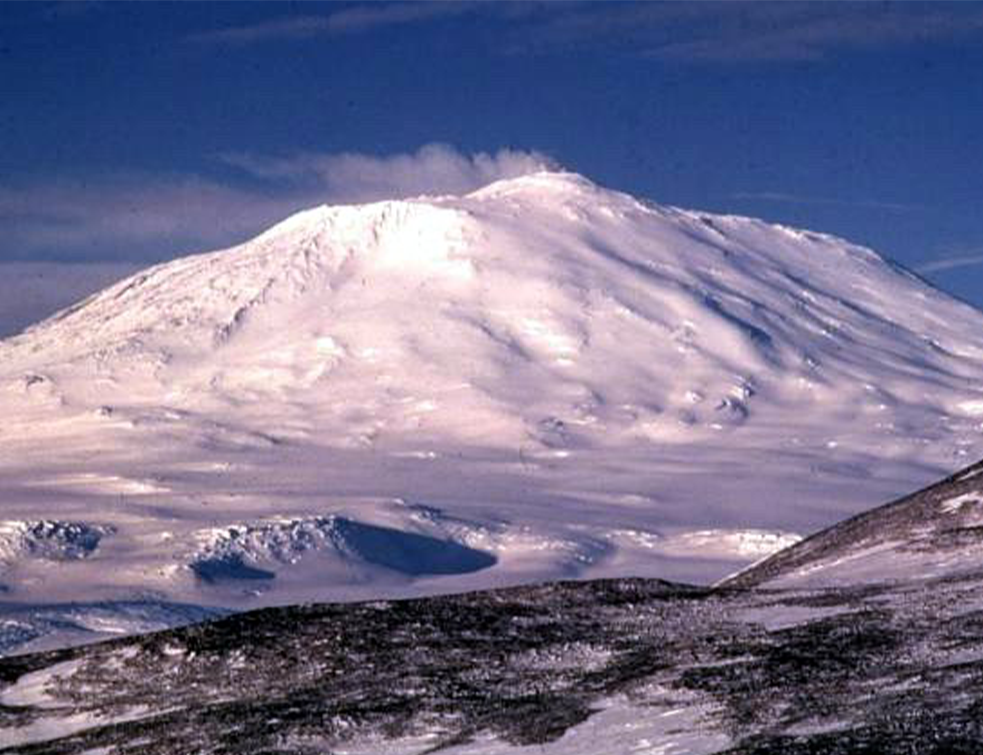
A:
(141, 131)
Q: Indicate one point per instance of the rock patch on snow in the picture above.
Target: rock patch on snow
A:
(238, 551)
(51, 540)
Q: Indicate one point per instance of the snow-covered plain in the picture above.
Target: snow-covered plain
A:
(541, 379)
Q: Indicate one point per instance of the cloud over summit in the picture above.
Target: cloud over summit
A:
(432, 169)
(116, 216)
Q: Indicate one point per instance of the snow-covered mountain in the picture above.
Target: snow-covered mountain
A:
(543, 378)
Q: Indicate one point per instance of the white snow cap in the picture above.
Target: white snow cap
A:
(540, 308)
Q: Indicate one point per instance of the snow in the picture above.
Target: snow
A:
(665, 723)
(972, 408)
(730, 543)
(957, 503)
(39, 689)
(622, 728)
(890, 561)
(544, 365)
(780, 612)
(26, 627)
(34, 689)
(51, 540)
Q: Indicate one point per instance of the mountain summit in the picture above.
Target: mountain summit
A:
(553, 377)
(541, 310)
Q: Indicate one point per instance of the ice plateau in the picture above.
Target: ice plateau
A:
(544, 378)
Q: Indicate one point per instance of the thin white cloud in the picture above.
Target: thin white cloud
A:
(721, 32)
(707, 32)
(295, 27)
(814, 37)
(130, 216)
(362, 18)
(433, 169)
(950, 263)
(137, 216)
(353, 20)
(777, 196)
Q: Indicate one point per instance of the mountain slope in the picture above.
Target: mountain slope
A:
(934, 533)
(541, 379)
(486, 307)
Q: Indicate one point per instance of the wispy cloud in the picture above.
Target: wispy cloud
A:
(294, 27)
(352, 20)
(433, 169)
(950, 263)
(815, 33)
(72, 9)
(138, 216)
(128, 216)
(782, 197)
(705, 32)
(746, 32)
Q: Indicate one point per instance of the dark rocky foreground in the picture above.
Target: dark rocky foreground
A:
(894, 667)
(891, 670)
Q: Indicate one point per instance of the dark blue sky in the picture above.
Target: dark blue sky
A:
(143, 130)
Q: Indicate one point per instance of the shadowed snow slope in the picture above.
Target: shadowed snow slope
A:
(547, 377)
